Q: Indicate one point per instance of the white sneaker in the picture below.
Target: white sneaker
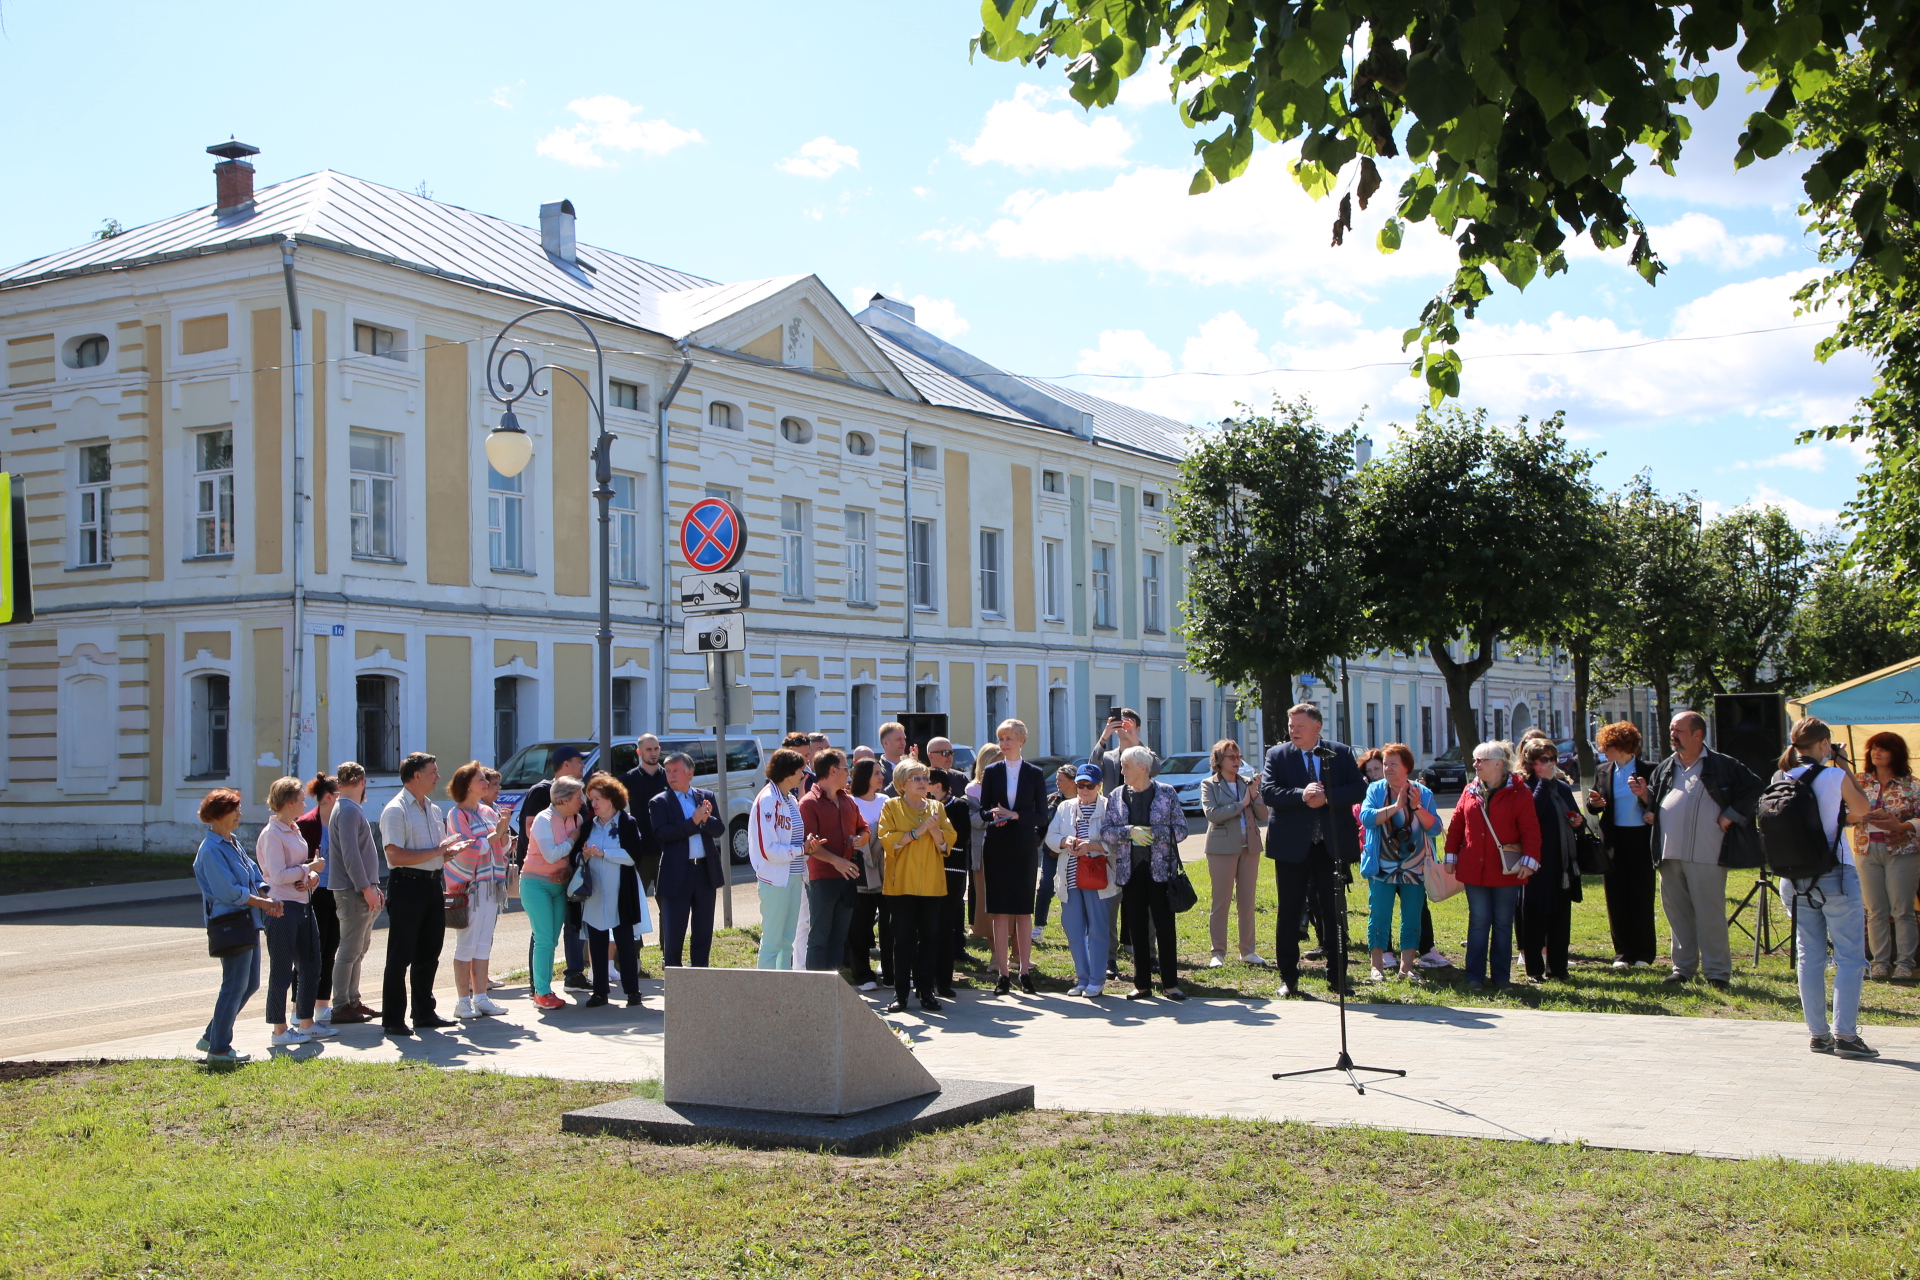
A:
(868, 986)
(291, 1036)
(1643, 964)
(488, 1006)
(1377, 974)
(1214, 962)
(1094, 992)
(319, 1030)
(463, 1008)
(1255, 959)
(1076, 991)
(1433, 960)
(1619, 964)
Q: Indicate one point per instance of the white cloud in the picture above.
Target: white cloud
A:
(1261, 227)
(609, 123)
(1019, 133)
(938, 315)
(1808, 458)
(503, 96)
(820, 158)
(1149, 86)
(1692, 237)
(1803, 514)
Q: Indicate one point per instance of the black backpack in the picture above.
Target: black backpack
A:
(1795, 842)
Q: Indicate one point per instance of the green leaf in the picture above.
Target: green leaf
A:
(1436, 94)
(1566, 162)
(1705, 90)
(1389, 240)
(1315, 179)
(1202, 182)
(1519, 266)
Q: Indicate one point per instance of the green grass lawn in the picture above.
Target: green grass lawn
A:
(165, 1170)
(1594, 986)
(39, 872)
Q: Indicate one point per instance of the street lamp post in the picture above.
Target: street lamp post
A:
(509, 449)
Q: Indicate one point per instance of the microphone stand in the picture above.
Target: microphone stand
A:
(1344, 1062)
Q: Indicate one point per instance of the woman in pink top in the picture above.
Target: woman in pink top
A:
(478, 872)
(293, 937)
(543, 882)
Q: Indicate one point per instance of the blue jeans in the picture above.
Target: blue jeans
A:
(546, 906)
(239, 979)
(293, 961)
(779, 918)
(1084, 916)
(1380, 899)
(1490, 911)
(1833, 911)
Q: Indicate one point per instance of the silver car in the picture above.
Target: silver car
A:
(1185, 773)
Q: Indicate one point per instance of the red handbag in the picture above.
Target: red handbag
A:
(1090, 873)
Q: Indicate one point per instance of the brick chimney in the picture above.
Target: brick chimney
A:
(233, 177)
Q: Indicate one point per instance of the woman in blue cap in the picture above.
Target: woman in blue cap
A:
(1083, 879)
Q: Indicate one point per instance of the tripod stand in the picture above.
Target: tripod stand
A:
(1344, 1062)
(1764, 940)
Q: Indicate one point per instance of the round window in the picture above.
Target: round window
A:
(859, 444)
(796, 430)
(87, 352)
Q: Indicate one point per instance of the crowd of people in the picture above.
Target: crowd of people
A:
(889, 848)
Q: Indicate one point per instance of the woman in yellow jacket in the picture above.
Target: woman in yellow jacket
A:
(915, 835)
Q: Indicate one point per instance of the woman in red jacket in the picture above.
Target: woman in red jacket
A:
(1493, 845)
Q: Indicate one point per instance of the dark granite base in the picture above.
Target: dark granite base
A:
(958, 1102)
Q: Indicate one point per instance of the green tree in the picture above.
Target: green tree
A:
(1582, 626)
(1758, 566)
(1664, 614)
(1518, 119)
(1263, 501)
(1847, 625)
(1471, 532)
(1863, 211)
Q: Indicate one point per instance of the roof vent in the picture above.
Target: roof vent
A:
(556, 230)
(233, 177)
(899, 308)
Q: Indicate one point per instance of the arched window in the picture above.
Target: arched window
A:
(723, 415)
(859, 444)
(796, 430)
(377, 722)
(211, 708)
(87, 352)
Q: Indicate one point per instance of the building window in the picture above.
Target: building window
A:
(506, 522)
(1499, 723)
(1196, 724)
(859, 556)
(796, 431)
(860, 444)
(213, 493)
(627, 708)
(719, 491)
(723, 415)
(1156, 725)
(1149, 500)
(92, 545)
(1053, 556)
(627, 395)
(1557, 732)
(793, 547)
(1102, 711)
(1103, 585)
(377, 723)
(624, 553)
(211, 705)
(921, 563)
(1373, 724)
(990, 572)
(1399, 722)
(1058, 734)
(89, 352)
(997, 706)
(1426, 731)
(926, 697)
(1150, 614)
(865, 719)
(370, 495)
(925, 458)
(1052, 482)
(800, 703)
(1103, 491)
(372, 340)
(506, 717)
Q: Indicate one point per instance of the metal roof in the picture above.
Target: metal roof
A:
(1124, 425)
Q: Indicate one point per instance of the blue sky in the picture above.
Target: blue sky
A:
(859, 143)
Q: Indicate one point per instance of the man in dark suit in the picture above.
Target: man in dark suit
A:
(647, 779)
(687, 829)
(1310, 788)
(567, 761)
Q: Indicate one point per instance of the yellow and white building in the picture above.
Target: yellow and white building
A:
(928, 532)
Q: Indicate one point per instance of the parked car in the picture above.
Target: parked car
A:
(1447, 771)
(744, 773)
(1185, 773)
(1569, 760)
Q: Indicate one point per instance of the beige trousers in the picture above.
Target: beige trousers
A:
(1229, 872)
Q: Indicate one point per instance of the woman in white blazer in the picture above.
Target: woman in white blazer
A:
(777, 846)
(1083, 878)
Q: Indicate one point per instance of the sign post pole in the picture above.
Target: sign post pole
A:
(713, 537)
(720, 791)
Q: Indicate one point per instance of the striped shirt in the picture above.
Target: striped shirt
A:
(797, 835)
(1082, 826)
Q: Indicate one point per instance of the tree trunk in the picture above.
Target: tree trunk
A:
(1662, 681)
(1276, 695)
(1460, 677)
(1582, 682)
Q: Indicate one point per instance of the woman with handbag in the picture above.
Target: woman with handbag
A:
(777, 847)
(1142, 830)
(1546, 903)
(863, 784)
(1887, 856)
(1236, 816)
(953, 908)
(1083, 879)
(543, 883)
(233, 898)
(477, 874)
(1493, 846)
(914, 837)
(608, 846)
(293, 936)
(1399, 817)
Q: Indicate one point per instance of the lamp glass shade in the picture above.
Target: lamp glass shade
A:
(509, 449)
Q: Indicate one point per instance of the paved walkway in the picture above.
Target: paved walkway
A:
(1723, 1088)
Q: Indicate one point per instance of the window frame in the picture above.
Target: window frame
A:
(1052, 481)
(202, 735)
(396, 341)
(497, 506)
(923, 574)
(932, 455)
(218, 485)
(803, 435)
(1100, 583)
(795, 580)
(615, 387)
(1152, 613)
(992, 575)
(735, 419)
(624, 529)
(1053, 559)
(372, 479)
(859, 554)
(97, 494)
